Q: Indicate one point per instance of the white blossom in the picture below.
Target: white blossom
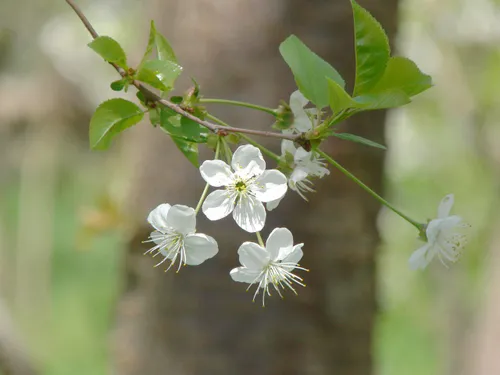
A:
(175, 236)
(246, 184)
(443, 237)
(301, 121)
(306, 165)
(271, 265)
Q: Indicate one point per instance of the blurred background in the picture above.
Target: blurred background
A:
(78, 297)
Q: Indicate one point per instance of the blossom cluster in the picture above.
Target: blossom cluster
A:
(242, 189)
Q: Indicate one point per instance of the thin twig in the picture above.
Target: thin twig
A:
(151, 96)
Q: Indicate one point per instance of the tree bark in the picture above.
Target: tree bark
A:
(200, 322)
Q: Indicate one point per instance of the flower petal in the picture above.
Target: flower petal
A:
(253, 256)
(293, 257)
(216, 173)
(301, 121)
(244, 275)
(297, 101)
(218, 205)
(445, 206)
(287, 147)
(273, 204)
(302, 155)
(182, 219)
(280, 238)
(199, 247)
(250, 214)
(298, 174)
(271, 185)
(421, 257)
(157, 237)
(248, 161)
(158, 217)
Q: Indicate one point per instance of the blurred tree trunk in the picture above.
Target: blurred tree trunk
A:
(199, 321)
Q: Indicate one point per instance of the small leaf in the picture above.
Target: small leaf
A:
(141, 97)
(151, 78)
(118, 85)
(358, 139)
(309, 70)
(166, 71)
(176, 99)
(154, 116)
(164, 50)
(182, 127)
(110, 50)
(110, 118)
(189, 149)
(382, 100)
(371, 49)
(403, 74)
(339, 99)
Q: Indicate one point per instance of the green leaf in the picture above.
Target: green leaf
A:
(189, 149)
(403, 74)
(382, 100)
(358, 139)
(309, 70)
(118, 85)
(110, 118)
(151, 78)
(182, 127)
(163, 49)
(339, 99)
(371, 48)
(154, 116)
(110, 50)
(166, 71)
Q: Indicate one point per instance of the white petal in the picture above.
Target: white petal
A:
(218, 204)
(297, 101)
(298, 174)
(216, 173)
(250, 214)
(302, 155)
(157, 237)
(271, 185)
(182, 219)
(293, 257)
(199, 248)
(445, 206)
(158, 217)
(287, 147)
(421, 257)
(244, 275)
(273, 204)
(280, 238)
(248, 161)
(253, 256)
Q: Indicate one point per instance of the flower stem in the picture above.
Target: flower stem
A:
(259, 238)
(240, 104)
(368, 190)
(264, 150)
(207, 186)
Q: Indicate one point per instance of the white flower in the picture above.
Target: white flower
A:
(306, 165)
(245, 188)
(443, 238)
(270, 265)
(301, 121)
(175, 236)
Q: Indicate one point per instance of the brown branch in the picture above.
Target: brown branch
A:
(151, 96)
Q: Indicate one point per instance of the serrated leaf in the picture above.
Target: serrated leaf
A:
(358, 139)
(149, 76)
(110, 50)
(403, 74)
(158, 42)
(339, 99)
(182, 127)
(309, 70)
(110, 118)
(164, 50)
(371, 49)
(382, 100)
(189, 149)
